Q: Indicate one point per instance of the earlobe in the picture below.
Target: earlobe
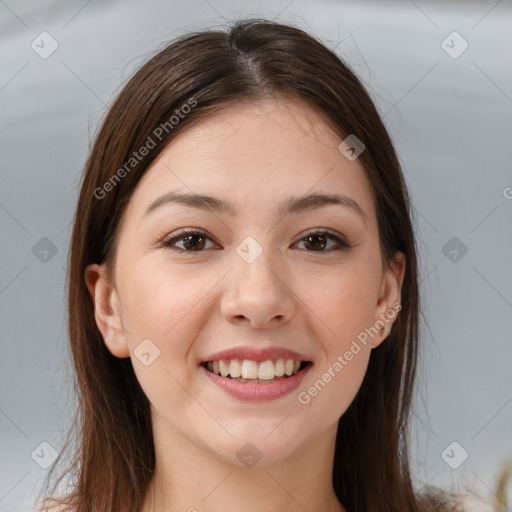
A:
(107, 311)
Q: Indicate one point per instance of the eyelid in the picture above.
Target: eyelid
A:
(340, 241)
(325, 231)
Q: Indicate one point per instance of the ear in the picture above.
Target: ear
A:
(388, 303)
(107, 309)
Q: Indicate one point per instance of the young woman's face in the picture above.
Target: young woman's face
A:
(260, 277)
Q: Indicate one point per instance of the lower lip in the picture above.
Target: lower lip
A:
(257, 392)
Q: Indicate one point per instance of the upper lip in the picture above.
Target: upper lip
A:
(255, 354)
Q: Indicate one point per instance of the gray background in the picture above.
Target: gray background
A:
(449, 117)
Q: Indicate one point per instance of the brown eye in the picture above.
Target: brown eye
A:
(192, 241)
(315, 242)
(318, 241)
(196, 241)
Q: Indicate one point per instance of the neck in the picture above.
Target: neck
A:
(192, 478)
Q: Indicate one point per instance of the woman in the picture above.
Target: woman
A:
(243, 288)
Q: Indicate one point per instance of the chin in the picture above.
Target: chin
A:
(251, 446)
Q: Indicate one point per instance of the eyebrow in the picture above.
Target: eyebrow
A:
(293, 205)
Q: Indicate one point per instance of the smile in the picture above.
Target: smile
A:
(247, 370)
(250, 380)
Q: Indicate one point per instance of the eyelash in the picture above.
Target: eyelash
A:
(342, 245)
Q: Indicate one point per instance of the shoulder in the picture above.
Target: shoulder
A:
(476, 505)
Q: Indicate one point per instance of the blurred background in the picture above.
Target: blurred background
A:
(441, 75)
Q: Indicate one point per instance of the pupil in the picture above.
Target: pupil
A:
(312, 237)
(191, 237)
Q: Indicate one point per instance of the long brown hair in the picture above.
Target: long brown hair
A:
(207, 71)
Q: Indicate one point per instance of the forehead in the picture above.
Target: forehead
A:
(256, 154)
(244, 126)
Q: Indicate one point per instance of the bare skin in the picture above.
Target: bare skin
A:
(294, 295)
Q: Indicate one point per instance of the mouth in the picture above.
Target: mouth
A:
(256, 372)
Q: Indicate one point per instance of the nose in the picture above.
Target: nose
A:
(257, 295)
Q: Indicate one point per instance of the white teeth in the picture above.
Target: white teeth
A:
(279, 369)
(224, 368)
(235, 368)
(266, 370)
(248, 369)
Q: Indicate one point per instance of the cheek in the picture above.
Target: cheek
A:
(158, 300)
(345, 300)
(160, 314)
(330, 393)
(159, 311)
(348, 380)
